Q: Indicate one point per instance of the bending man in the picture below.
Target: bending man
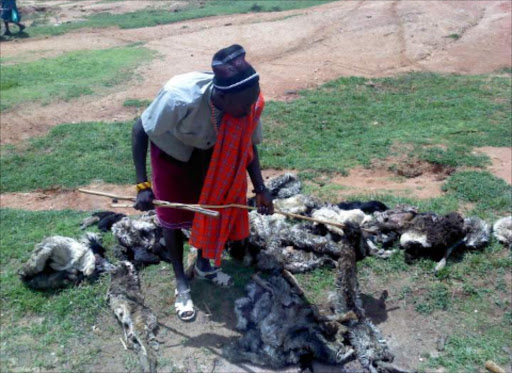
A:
(202, 130)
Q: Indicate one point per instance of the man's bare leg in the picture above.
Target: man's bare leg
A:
(174, 246)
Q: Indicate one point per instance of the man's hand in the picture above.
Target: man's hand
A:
(264, 202)
(144, 201)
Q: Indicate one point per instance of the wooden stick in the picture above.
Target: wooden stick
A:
(156, 202)
(277, 211)
(493, 367)
(204, 208)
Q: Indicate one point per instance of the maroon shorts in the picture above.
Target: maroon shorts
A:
(177, 181)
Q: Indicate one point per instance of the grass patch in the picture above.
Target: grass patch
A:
(455, 156)
(43, 325)
(68, 76)
(352, 121)
(468, 351)
(327, 130)
(139, 104)
(317, 283)
(454, 36)
(492, 195)
(71, 155)
(155, 17)
(469, 302)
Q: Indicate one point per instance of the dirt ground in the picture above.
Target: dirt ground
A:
(292, 50)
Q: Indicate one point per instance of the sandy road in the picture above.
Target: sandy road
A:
(292, 50)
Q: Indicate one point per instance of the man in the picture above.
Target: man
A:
(10, 14)
(203, 129)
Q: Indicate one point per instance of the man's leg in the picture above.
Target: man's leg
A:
(216, 275)
(7, 31)
(203, 264)
(22, 27)
(174, 246)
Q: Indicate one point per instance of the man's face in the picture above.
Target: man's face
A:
(239, 104)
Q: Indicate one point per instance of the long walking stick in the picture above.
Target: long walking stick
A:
(176, 205)
(204, 209)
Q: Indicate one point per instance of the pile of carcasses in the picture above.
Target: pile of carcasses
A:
(279, 326)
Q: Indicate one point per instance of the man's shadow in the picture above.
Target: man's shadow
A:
(216, 305)
(14, 36)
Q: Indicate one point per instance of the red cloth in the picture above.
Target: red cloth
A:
(177, 181)
(225, 183)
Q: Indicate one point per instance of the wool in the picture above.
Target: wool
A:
(429, 235)
(502, 230)
(477, 233)
(367, 207)
(335, 215)
(59, 261)
(284, 186)
(139, 322)
(102, 219)
(139, 239)
(297, 204)
(278, 328)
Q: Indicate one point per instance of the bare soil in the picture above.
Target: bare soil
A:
(292, 50)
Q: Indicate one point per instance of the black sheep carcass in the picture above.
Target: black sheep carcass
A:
(429, 235)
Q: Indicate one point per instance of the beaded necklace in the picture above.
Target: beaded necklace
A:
(213, 118)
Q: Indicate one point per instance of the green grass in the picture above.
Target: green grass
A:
(68, 76)
(471, 281)
(352, 121)
(71, 155)
(155, 17)
(330, 129)
(492, 195)
(469, 350)
(454, 36)
(38, 328)
(317, 283)
(139, 104)
(455, 156)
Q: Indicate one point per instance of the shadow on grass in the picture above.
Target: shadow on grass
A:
(14, 36)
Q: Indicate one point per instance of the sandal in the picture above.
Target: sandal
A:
(184, 305)
(216, 276)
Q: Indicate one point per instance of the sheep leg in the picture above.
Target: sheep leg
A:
(342, 358)
(442, 263)
(493, 367)
(391, 368)
(293, 282)
(257, 279)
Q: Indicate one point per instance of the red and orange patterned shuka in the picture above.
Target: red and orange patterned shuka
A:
(225, 183)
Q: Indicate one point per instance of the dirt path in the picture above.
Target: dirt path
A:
(292, 50)
(378, 180)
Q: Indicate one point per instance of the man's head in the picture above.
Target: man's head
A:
(235, 81)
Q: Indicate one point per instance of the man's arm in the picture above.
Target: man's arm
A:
(139, 153)
(263, 197)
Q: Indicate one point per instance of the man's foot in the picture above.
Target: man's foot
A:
(215, 275)
(7, 33)
(184, 305)
(21, 28)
